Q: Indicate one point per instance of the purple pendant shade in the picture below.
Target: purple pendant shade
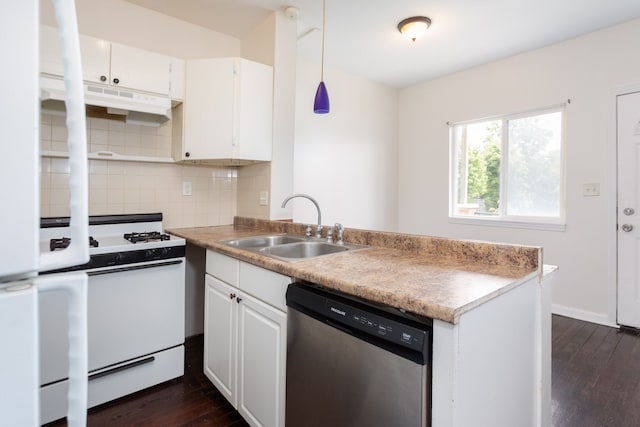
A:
(321, 102)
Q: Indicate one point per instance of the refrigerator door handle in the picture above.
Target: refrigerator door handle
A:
(75, 287)
(78, 251)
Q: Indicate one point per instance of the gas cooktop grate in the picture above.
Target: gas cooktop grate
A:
(146, 236)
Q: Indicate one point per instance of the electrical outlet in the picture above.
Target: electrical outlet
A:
(264, 198)
(186, 188)
(591, 189)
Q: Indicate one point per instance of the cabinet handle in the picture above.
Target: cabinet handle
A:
(238, 300)
(116, 81)
(187, 154)
(103, 78)
(232, 296)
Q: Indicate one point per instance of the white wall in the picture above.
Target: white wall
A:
(588, 70)
(126, 23)
(273, 42)
(347, 159)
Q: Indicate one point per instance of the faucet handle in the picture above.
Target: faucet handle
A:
(340, 229)
(307, 231)
(330, 235)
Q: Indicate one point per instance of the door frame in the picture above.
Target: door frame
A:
(612, 217)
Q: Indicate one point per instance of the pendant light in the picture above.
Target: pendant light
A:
(321, 102)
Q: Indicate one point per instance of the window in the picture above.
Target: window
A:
(509, 169)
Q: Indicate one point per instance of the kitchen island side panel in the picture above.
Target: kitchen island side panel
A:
(486, 368)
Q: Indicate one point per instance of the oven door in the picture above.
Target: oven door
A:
(132, 311)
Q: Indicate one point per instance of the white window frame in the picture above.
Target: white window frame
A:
(503, 220)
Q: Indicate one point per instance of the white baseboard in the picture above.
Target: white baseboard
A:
(587, 316)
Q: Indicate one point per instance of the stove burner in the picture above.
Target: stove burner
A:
(65, 241)
(146, 236)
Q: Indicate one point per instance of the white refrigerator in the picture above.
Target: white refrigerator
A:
(20, 257)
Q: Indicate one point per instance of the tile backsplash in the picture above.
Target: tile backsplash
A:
(117, 187)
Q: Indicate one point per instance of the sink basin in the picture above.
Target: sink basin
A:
(290, 248)
(264, 241)
(304, 250)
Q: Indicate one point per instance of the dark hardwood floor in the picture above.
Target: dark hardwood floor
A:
(595, 383)
(595, 375)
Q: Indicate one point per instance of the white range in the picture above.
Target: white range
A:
(135, 310)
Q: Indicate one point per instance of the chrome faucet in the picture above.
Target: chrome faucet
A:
(319, 227)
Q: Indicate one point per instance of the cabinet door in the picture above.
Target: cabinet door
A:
(220, 329)
(50, 51)
(254, 121)
(140, 69)
(209, 109)
(262, 350)
(95, 56)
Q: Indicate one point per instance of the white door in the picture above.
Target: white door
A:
(140, 69)
(209, 114)
(220, 323)
(262, 346)
(628, 135)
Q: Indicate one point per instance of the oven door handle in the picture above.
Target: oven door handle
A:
(136, 267)
(121, 368)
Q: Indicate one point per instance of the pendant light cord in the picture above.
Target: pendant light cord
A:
(322, 60)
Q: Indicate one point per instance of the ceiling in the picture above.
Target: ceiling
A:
(362, 38)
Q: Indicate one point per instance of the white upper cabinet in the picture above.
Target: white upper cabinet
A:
(114, 64)
(96, 59)
(228, 112)
(139, 69)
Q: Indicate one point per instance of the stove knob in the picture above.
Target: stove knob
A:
(150, 254)
(166, 252)
(115, 259)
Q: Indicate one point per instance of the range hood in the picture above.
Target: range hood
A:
(108, 102)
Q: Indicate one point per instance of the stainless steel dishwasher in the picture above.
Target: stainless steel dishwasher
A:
(352, 363)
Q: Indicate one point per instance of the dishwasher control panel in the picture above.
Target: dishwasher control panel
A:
(374, 324)
(364, 320)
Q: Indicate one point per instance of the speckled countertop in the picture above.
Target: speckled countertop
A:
(430, 276)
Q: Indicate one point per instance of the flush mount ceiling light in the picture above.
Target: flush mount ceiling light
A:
(414, 27)
(321, 101)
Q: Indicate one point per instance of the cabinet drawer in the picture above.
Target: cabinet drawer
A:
(223, 267)
(265, 285)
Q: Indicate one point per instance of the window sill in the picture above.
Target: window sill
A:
(496, 222)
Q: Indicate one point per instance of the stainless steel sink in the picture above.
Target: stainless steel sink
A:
(290, 248)
(303, 250)
(263, 241)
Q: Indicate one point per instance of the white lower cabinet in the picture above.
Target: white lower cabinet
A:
(245, 336)
(262, 351)
(220, 332)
